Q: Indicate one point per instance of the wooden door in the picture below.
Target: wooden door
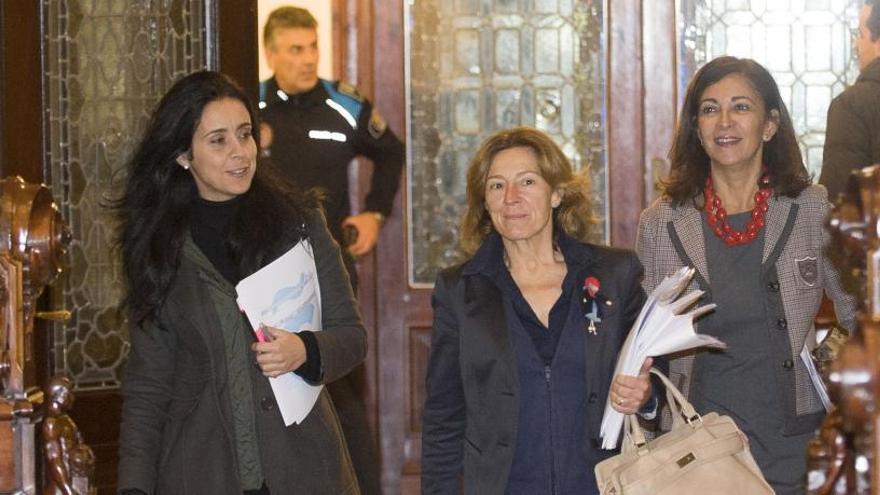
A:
(403, 313)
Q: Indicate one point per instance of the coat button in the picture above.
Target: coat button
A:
(788, 364)
(782, 324)
(593, 398)
(773, 286)
(267, 403)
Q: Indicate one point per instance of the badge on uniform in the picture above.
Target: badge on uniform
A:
(377, 125)
(592, 299)
(265, 139)
(349, 90)
(808, 269)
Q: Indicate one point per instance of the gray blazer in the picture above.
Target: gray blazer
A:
(795, 271)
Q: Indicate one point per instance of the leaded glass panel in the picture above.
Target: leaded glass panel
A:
(107, 64)
(805, 44)
(478, 66)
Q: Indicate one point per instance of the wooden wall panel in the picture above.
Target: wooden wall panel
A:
(659, 53)
(625, 119)
(21, 93)
(237, 47)
(419, 351)
(97, 414)
(7, 459)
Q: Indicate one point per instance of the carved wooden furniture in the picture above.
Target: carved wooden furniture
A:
(33, 244)
(843, 458)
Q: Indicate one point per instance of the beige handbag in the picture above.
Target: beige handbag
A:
(701, 454)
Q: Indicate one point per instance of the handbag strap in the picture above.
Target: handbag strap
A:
(682, 411)
(676, 400)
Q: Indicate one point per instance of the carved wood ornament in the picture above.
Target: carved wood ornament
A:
(843, 458)
(33, 247)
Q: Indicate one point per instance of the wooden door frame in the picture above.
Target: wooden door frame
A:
(21, 94)
(404, 315)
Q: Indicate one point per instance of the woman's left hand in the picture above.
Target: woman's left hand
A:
(284, 353)
(629, 393)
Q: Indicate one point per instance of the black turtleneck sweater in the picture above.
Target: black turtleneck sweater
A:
(209, 228)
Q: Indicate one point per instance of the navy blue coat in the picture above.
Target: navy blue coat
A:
(473, 392)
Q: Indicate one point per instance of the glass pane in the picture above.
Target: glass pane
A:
(107, 64)
(507, 51)
(513, 62)
(806, 45)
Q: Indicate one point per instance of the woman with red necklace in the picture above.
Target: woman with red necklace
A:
(739, 207)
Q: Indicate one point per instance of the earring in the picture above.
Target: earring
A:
(185, 166)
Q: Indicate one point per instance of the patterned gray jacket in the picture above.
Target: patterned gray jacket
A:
(794, 273)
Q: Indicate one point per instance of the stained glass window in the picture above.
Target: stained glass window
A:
(805, 44)
(107, 64)
(479, 66)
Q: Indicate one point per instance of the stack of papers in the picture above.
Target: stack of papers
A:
(663, 327)
(285, 294)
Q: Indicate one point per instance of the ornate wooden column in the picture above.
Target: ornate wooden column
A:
(33, 245)
(843, 459)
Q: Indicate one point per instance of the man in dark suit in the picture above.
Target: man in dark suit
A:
(852, 138)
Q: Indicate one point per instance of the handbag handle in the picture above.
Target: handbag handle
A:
(679, 405)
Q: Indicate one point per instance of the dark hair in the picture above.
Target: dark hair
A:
(287, 18)
(873, 21)
(154, 210)
(574, 214)
(689, 163)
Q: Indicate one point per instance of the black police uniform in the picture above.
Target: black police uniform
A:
(317, 133)
(315, 136)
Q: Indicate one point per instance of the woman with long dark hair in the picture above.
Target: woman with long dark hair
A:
(198, 215)
(738, 206)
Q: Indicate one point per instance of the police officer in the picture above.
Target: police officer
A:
(317, 128)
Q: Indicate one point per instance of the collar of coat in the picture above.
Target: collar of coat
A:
(315, 96)
(488, 259)
(687, 222)
(871, 72)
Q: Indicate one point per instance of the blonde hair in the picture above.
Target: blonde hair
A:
(574, 215)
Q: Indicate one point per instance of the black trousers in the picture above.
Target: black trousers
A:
(348, 399)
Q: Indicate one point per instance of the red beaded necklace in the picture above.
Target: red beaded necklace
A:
(717, 217)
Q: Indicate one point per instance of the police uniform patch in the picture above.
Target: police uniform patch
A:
(349, 90)
(808, 270)
(377, 125)
(266, 136)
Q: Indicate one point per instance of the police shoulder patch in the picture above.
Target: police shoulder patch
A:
(349, 90)
(377, 124)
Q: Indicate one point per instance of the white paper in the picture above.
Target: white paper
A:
(818, 384)
(285, 294)
(661, 328)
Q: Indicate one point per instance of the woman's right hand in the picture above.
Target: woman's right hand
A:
(629, 393)
(282, 352)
